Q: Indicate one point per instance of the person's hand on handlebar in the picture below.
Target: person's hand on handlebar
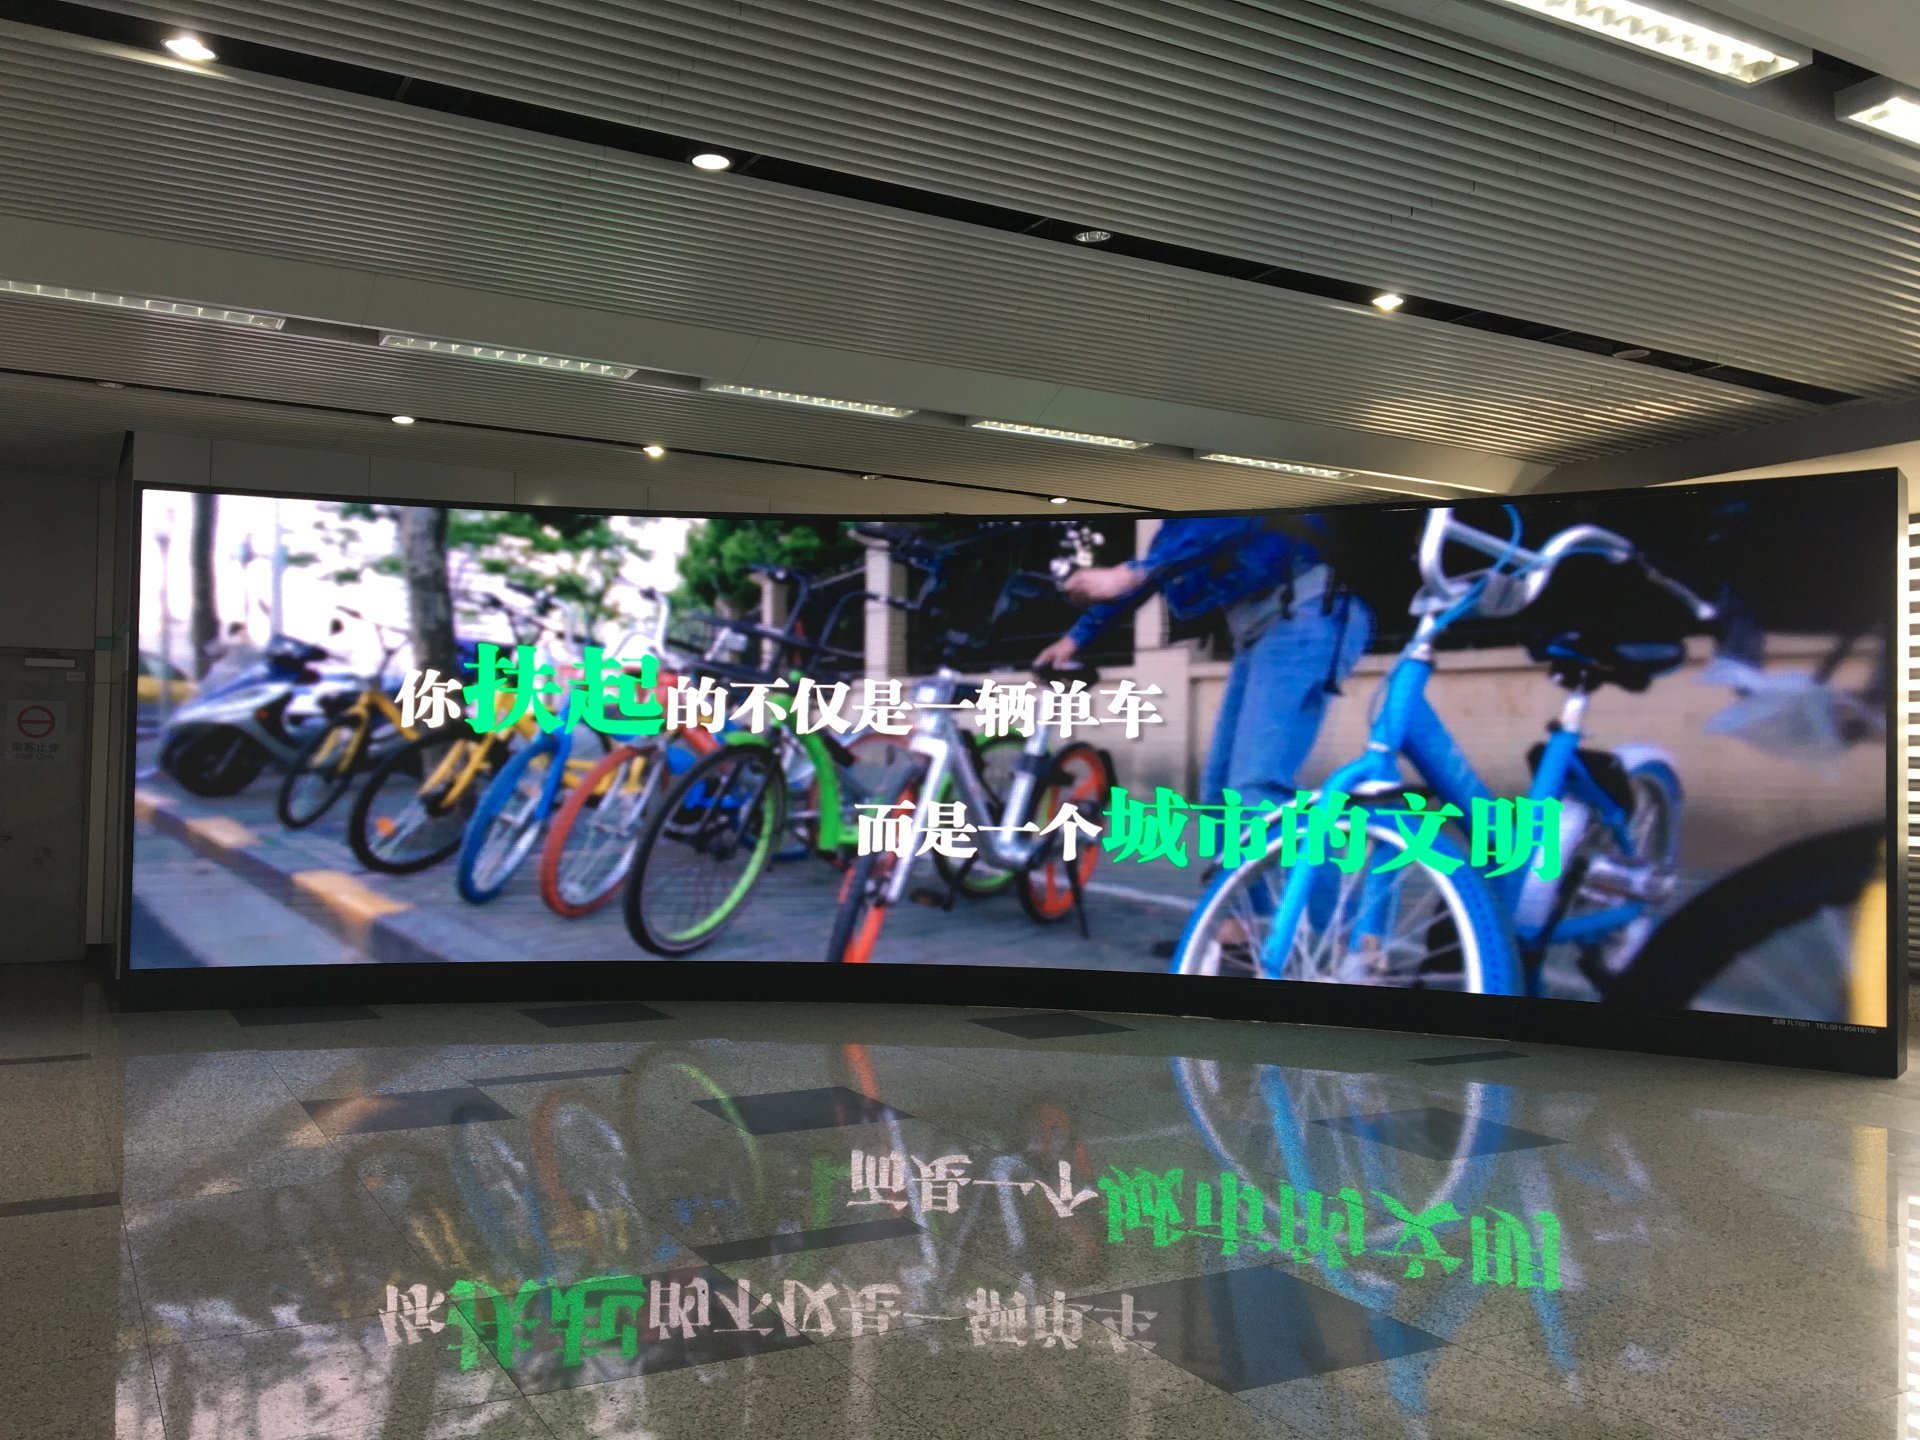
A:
(1099, 583)
(1057, 656)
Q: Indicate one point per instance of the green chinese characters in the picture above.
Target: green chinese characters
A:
(1503, 835)
(1332, 1230)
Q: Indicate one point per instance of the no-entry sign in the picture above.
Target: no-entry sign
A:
(36, 732)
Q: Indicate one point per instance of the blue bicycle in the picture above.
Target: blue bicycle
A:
(512, 814)
(1446, 926)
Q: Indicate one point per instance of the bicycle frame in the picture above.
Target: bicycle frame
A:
(938, 736)
(1407, 725)
(459, 767)
(831, 833)
(369, 707)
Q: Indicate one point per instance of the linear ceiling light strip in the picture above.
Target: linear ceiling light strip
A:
(390, 340)
(1883, 106)
(1285, 467)
(1048, 432)
(1676, 31)
(472, 105)
(177, 308)
(791, 397)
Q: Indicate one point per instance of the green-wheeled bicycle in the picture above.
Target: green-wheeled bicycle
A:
(708, 842)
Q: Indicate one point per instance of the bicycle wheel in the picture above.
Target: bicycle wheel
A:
(863, 896)
(1772, 938)
(1414, 927)
(998, 756)
(506, 823)
(397, 825)
(1259, 1120)
(703, 849)
(1080, 778)
(590, 846)
(321, 773)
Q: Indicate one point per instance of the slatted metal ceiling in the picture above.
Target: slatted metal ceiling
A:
(67, 428)
(97, 141)
(134, 349)
(1305, 132)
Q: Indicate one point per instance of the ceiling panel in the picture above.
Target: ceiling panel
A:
(268, 168)
(1301, 132)
(492, 408)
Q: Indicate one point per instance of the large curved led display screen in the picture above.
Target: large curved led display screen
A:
(1626, 749)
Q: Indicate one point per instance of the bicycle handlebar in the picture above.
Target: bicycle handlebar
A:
(1528, 571)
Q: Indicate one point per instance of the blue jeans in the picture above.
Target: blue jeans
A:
(1276, 698)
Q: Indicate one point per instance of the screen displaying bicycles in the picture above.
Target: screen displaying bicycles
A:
(1623, 749)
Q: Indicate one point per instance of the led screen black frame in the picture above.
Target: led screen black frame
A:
(1756, 1039)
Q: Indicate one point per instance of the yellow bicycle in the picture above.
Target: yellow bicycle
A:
(416, 804)
(358, 732)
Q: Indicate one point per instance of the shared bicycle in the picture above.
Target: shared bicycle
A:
(414, 810)
(1444, 925)
(1015, 787)
(705, 846)
(359, 730)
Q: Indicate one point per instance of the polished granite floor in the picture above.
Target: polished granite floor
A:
(689, 1220)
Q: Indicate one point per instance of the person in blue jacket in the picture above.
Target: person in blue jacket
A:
(1296, 633)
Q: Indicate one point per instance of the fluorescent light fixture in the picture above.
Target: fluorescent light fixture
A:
(789, 397)
(1285, 467)
(1047, 432)
(151, 307)
(403, 420)
(1674, 30)
(653, 452)
(1389, 301)
(1882, 105)
(529, 358)
(711, 160)
(189, 47)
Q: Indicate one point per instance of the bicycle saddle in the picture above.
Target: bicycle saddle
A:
(1586, 662)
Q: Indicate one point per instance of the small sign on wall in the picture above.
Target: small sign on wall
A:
(36, 732)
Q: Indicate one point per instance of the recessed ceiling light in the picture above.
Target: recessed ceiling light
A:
(1632, 352)
(1047, 432)
(403, 420)
(1389, 301)
(1092, 237)
(1881, 105)
(189, 47)
(1285, 467)
(151, 307)
(712, 160)
(532, 359)
(791, 397)
(110, 384)
(1058, 500)
(653, 452)
(1674, 30)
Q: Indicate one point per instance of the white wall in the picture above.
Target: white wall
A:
(60, 590)
(48, 561)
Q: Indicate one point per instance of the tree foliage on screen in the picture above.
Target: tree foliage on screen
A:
(713, 572)
(579, 558)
